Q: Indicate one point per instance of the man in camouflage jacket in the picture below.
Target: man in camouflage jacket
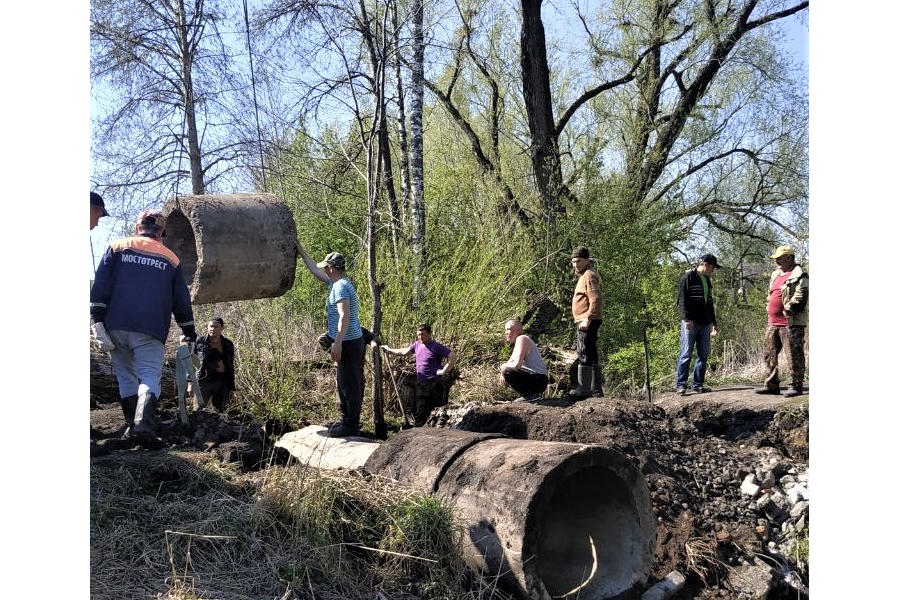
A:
(788, 310)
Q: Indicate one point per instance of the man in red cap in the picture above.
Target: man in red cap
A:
(787, 309)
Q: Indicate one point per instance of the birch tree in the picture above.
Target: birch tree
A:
(160, 72)
(417, 176)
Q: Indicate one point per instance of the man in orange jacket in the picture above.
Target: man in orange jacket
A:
(587, 305)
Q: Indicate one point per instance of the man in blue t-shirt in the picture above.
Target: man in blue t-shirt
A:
(348, 349)
(431, 380)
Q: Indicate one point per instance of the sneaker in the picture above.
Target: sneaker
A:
(341, 430)
(702, 389)
(767, 390)
(793, 392)
(682, 391)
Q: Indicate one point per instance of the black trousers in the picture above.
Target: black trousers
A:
(350, 380)
(428, 395)
(587, 343)
(526, 382)
(215, 391)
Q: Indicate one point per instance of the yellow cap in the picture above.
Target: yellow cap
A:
(782, 250)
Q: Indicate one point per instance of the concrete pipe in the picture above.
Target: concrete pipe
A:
(233, 247)
(548, 519)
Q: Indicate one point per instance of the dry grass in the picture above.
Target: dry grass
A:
(703, 560)
(181, 526)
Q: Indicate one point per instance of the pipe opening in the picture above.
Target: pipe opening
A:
(180, 240)
(590, 540)
(234, 246)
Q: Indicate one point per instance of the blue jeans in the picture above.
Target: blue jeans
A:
(698, 336)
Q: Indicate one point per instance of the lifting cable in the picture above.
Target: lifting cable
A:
(180, 150)
(262, 166)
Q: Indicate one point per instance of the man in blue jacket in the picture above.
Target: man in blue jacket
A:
(698, 322)
(137, 288)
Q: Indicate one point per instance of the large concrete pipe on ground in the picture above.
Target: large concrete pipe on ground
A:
(233, 247)
(548, 519)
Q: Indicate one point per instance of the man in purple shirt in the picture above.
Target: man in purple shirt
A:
(431, 371)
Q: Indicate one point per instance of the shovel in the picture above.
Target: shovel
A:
(186, 363)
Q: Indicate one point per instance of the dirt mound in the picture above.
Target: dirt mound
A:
(696, 452)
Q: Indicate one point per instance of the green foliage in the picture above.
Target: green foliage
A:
(638, 283)
(799, 552)
(276, 370)
(626, 364)
(480, 265)
(473, 285)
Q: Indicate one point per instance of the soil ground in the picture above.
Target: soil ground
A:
(694, 450)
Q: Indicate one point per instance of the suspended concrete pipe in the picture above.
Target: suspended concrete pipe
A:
(234, 246)
(548, 519)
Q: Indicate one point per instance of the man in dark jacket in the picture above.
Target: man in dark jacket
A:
(698, 322)
(98, 209)
(216, 373)
(137, 288)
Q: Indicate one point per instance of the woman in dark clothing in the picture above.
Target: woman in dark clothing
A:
(216, 373)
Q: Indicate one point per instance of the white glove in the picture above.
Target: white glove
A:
(104, 342)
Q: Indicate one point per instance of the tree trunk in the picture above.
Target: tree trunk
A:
(398, 221)
(544, 150)
(420, 252)
(193, 139)
(375, 290)
(384, 152)
(375, 155)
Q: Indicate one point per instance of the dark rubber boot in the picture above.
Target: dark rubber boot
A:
(129, 405)
(144, 418)
(585, 382)
(341, 430)
(597, 387)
